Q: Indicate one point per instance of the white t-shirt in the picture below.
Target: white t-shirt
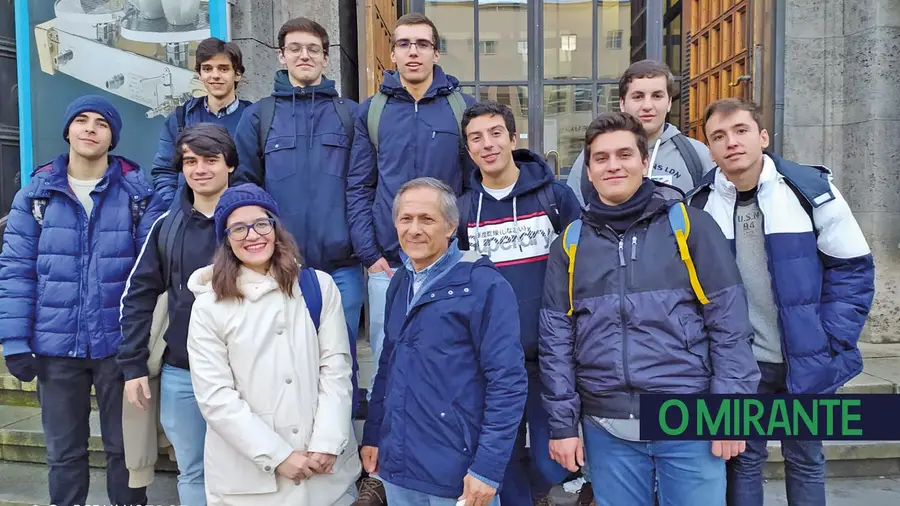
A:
(501, 193)
(83, 189)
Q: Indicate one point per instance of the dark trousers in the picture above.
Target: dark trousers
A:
(804, 462)
(64, 391)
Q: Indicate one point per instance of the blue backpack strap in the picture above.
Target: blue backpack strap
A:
(312, 294)
(681, 227)
(570, 239)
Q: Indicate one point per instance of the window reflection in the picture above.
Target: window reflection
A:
(567, 40)
(455, 23)
(614, 38)
(567, 113)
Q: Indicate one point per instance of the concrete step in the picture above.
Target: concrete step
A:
(22, 438)
(844, 459)
(26, 485)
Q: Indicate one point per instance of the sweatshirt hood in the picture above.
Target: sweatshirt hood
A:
(669, 131)
(534, 172)
(442, 84)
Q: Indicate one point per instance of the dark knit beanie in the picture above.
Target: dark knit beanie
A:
(241, 196)
(99, 105)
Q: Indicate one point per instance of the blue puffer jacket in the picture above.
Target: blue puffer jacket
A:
(60, 284)
(166, 180)
(304, 169)
(415, 139)
(637, 326)
(451, 382)
(823, 279)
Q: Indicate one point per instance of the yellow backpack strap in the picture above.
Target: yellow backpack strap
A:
(681, 227)
(570, 245)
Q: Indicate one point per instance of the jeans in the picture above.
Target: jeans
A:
(531, 472)
(804, 462)
(399, 496)
(623, 472)
(186, 429)
(350, 281)
(64, 392)
(378, 286)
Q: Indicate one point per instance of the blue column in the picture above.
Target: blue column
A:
(23, 69)
(218, 19)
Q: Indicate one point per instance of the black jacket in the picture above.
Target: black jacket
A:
(146, 283)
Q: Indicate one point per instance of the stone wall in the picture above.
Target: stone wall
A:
(842, 109)
(255, 25)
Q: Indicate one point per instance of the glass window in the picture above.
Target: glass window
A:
(567, 113)
(503, 32)
(614, 34)
(565, 25)
(455, 23)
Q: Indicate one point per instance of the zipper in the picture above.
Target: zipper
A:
(623, 317)
(634, 247)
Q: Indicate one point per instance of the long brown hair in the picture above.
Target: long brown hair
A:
(284, 266)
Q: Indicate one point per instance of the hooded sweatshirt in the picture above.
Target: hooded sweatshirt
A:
(669, 166)
(193, 248)
(494, 227)
(415, 139)
(305, 164)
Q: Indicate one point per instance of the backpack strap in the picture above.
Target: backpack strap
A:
(699, 197)
(266, 117)
(458, 105)
(179, 118)
(168, 232)
(343, 112)
(548, 202)
(376, 108)
(312, 294)
(681, 227)
(690, 157)
(570, 245)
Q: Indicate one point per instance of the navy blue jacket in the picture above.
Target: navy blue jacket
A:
(823, 273)
(415, 139)
(450, 389)
(637, 326)
(516, 234)
(60, 283)
(166, 180)
(305, 170)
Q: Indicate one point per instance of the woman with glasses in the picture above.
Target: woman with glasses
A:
(272, 382)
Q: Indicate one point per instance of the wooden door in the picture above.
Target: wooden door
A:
(718, 41)
(381, 16)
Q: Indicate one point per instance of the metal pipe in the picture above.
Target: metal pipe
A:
(778, 76)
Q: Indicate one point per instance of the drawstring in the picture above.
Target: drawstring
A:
(516, 224)
(478, 224)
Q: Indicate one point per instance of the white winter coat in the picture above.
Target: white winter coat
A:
(267, 385)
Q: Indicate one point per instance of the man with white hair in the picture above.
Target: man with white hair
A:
(451, 383)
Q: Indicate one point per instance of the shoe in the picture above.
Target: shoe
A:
(544, 501)
(371, 493)
(586, 496)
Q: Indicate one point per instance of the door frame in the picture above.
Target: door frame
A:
(535, 80)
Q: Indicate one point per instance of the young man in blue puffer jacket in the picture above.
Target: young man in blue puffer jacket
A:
(72, 237)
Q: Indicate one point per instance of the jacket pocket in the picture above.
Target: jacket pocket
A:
(280, 163)
(228, 472)
(336, 150)
(694, 339)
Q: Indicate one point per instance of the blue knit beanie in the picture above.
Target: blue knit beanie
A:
(241, 196)
(99, 105)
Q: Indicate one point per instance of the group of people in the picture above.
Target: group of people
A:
(514, 321)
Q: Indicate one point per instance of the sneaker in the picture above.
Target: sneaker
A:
(586, 496)
(371, 493)
(544, 501)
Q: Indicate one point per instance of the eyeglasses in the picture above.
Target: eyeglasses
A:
(240, 231)
(294, 50)
(421, 44)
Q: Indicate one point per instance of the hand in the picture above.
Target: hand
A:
(728, 449)
(298, 466)
(568, 452)
(381, 265)
(23, 366)
(137, 391)
(369, 456)
(476, 492)
(325, 461)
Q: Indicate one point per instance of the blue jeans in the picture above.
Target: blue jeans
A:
(623, 472)
(804, 462)
(378, 286)
(186, 429)
(350, 281)
(531, 472)
(399, 496)
(64, 392)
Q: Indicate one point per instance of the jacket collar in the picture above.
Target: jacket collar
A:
(55, 175)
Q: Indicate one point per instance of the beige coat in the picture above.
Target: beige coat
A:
(267, 385)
